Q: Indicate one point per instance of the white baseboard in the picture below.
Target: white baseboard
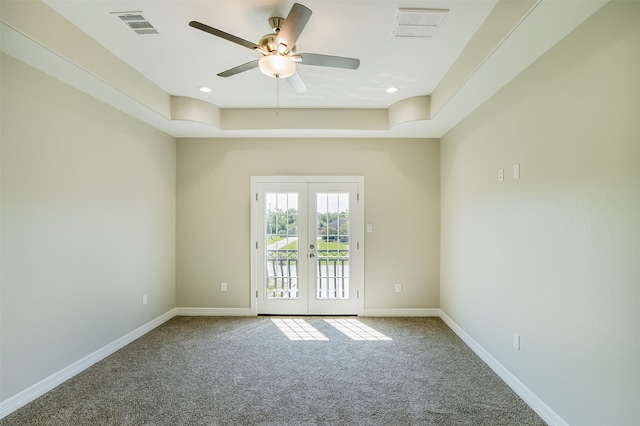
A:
(45, 385)
(225, 312)
(543, 410)
(421, 312)
(214, 312)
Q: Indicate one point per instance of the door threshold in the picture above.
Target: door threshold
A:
(308, 315)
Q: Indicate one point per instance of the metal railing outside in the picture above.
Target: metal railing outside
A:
(332, 274)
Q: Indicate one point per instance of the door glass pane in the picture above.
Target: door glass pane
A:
(332, 248)
(281, 242)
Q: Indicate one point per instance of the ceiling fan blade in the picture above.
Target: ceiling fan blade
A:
(296, 82)
(230, 37)
(329, 61)
(292, 27)
(240, 68)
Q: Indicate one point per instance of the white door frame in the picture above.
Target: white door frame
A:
(359, 231)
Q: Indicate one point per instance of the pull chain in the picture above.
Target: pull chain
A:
(277, 95)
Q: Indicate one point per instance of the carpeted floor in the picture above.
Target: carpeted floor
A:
(246, 371)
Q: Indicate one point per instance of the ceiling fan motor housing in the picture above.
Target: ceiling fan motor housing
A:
(268, 41)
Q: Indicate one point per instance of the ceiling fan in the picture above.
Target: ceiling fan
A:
(278, 49)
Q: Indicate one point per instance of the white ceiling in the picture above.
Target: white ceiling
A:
(180, 59)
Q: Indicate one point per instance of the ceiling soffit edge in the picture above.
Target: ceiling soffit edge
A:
(404, 111)
(505, 17)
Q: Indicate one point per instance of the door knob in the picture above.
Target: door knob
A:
(312, 246)
(312, 255)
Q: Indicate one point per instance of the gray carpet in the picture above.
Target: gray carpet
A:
(245, 371)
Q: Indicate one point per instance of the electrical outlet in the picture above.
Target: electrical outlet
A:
(516, 341)
(223, 286)
(398, 287)
(144, 299)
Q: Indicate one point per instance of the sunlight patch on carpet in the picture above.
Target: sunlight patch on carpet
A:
(298, 329)
(356, 330)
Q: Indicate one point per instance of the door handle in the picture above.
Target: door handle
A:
(312, 246)
(312, 255)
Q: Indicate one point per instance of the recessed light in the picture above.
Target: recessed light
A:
(204, 89)
(392, 90)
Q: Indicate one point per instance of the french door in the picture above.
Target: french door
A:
(308, 257)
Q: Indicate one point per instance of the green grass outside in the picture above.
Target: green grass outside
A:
(273, 239)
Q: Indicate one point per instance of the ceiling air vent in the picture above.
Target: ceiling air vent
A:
(418, 23)
(136, 22)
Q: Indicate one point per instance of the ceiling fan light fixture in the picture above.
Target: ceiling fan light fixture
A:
(277, 66)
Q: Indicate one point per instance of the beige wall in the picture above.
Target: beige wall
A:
(554, 256)
(88, 225)
(401, 201)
